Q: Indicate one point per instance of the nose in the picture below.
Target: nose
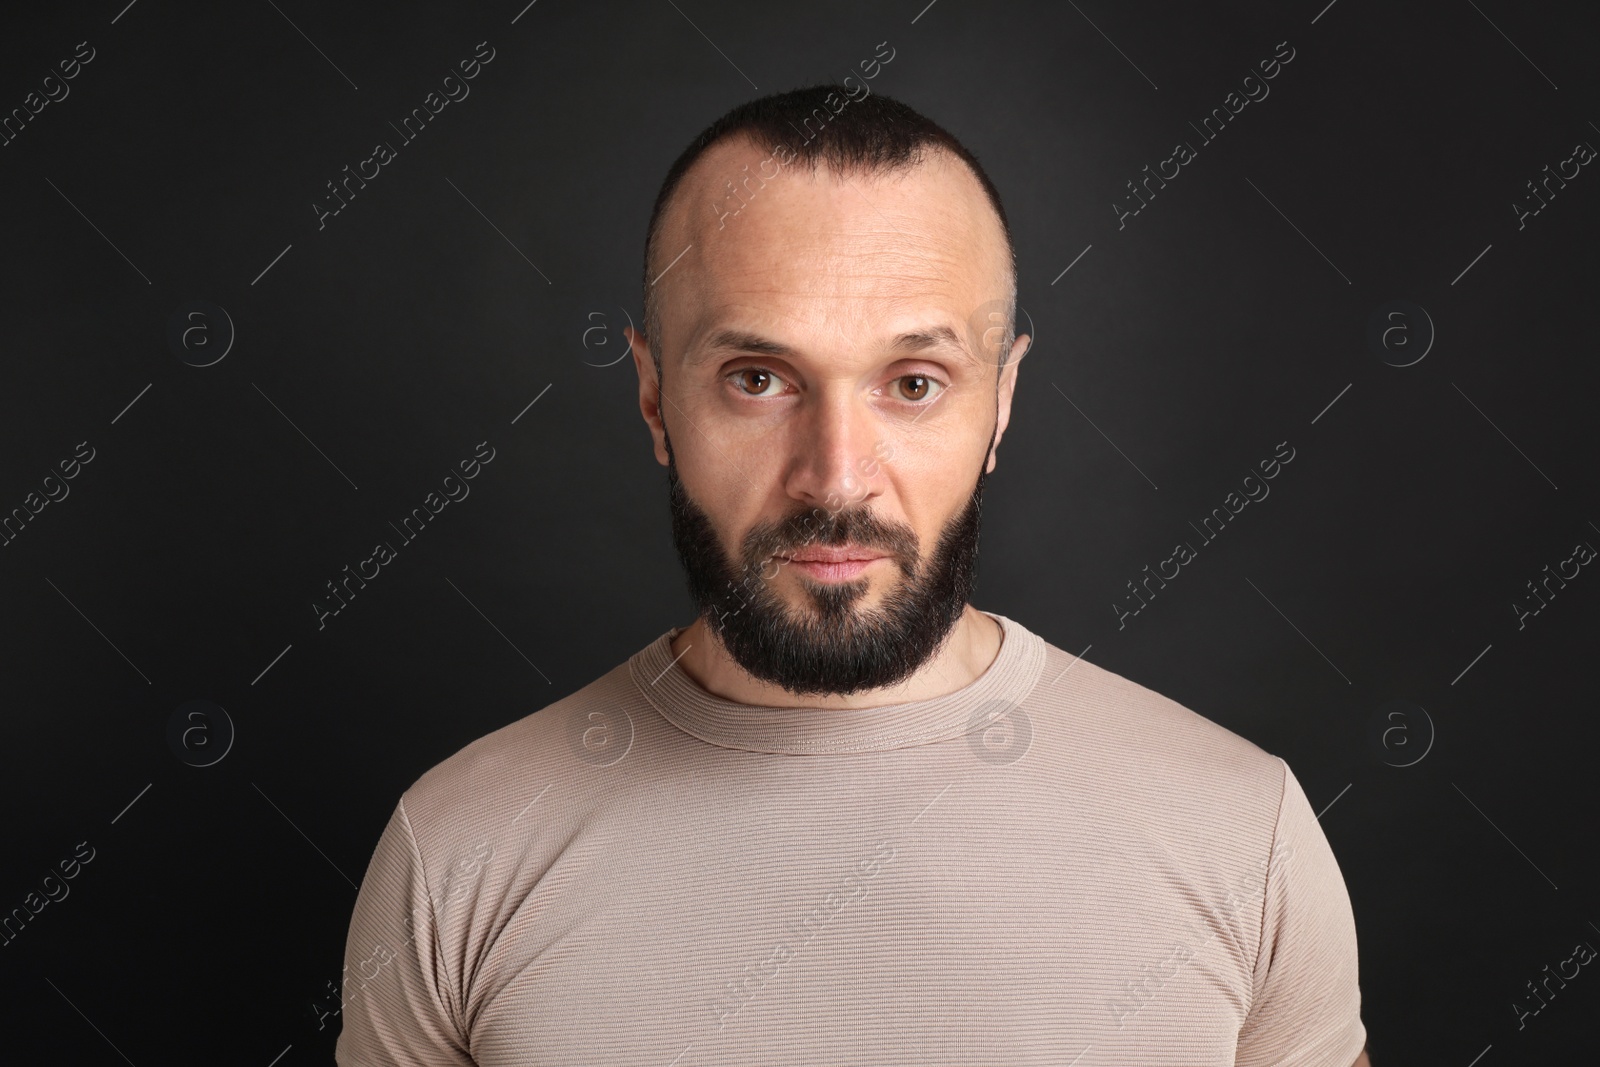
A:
(834, 465)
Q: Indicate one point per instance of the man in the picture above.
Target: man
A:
(843, 816)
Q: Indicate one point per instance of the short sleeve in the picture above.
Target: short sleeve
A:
(1305, 1008)
(396, 993)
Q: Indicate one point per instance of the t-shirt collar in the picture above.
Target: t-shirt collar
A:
(803, 731)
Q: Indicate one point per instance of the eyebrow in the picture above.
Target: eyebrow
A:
(932, 337)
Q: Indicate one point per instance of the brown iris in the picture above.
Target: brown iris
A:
(921, 392)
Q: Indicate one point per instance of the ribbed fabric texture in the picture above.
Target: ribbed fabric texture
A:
(1051, 865)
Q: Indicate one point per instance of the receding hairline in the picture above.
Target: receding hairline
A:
(925, 154)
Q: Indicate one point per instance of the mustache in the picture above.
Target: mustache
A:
(856, 526)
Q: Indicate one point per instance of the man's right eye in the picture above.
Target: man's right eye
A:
(755, 381)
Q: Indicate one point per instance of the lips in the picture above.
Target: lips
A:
(817, 554)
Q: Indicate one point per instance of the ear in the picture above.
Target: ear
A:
(649, 390)
(1008, 385)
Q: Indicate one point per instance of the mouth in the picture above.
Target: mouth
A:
(833, 564)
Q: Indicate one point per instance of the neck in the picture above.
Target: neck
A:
(973, 643)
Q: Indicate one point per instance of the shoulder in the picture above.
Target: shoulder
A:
(1148, 746)
(489, 783)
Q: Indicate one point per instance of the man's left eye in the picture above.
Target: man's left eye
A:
(918, 387)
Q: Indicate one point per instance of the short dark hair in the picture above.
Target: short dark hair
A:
(870, 135)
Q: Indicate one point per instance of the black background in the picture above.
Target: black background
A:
(494, 263)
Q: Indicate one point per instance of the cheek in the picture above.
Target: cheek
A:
(939, 468)
(729, 492)
(928, 495)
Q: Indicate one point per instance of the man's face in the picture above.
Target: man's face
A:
(829, 642)
(812, 406)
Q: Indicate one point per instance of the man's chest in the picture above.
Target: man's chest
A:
(974, 937)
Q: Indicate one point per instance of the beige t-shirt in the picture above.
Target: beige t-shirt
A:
(1051, 865)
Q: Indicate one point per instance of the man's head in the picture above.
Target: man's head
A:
(829, 297)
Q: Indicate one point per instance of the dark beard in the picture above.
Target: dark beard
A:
(831, 646)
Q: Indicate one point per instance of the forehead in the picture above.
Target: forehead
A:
(823, 249)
